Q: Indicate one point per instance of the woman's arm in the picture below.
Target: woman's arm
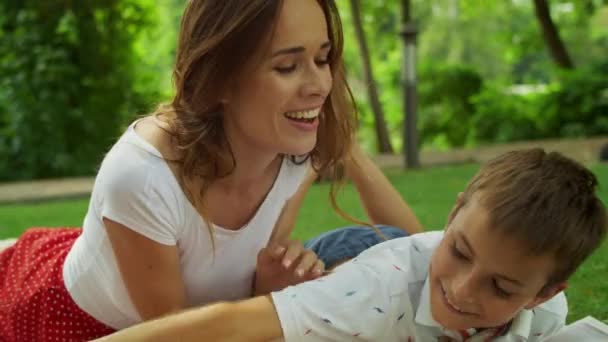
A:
(150, 271)
(382, 202)
(285, 262)
(254, 319)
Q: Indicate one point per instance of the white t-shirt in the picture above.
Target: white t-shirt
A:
(135, 187)
(383, 295)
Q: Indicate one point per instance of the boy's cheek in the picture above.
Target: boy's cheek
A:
(441, 262)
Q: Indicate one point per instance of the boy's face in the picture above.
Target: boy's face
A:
(480, 278)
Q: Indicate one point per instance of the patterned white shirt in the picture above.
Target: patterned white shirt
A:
(383, 295)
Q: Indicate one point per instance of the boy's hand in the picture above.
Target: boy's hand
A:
(285, 264)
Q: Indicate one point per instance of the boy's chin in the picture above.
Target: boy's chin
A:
(447, 319)
(454, 324)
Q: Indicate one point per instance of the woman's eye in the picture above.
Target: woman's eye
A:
(325, 61)
(285, 70)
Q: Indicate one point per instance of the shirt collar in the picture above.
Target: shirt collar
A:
(520, 326)
(423, 313)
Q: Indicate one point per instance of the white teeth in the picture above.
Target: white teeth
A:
(311, 114)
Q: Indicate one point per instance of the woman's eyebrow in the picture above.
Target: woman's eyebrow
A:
(297, 49)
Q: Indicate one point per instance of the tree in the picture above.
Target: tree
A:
(382, 136)
(67, 83)
(409, 32)
(556, 46)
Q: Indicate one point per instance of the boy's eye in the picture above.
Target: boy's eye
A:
(499, 291)
(458, 254)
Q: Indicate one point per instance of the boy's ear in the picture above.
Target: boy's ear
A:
(455, 208)
(546, 294)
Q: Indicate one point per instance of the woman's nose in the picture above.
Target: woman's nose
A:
(318, 81)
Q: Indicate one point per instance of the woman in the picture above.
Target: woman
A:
(192, 197)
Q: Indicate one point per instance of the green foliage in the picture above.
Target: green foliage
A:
(457, 108)
(500, 41)
(501, 116)
(578, 106)
(67, 86)
(446, 93)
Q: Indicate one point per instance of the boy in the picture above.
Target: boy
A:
(523, 225)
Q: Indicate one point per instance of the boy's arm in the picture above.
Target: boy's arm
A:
(253, 319)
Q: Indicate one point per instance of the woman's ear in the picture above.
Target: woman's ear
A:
(226, 92)
(224, 96)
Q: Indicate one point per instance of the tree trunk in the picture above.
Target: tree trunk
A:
(410, 95)
(382, 136)
(556, 46)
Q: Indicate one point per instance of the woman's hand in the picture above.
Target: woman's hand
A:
(284, 264)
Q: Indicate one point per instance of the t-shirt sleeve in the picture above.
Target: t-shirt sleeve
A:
(134, 197)
(351, 303)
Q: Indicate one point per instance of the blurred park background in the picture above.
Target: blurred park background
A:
(73, 74)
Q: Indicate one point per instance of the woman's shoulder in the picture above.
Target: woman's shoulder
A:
(136, 187)
(155, 133)
(135, 163)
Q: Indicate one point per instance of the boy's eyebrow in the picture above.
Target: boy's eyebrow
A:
(468, 245)
(298, 49)
(511, 280)
(466, 242)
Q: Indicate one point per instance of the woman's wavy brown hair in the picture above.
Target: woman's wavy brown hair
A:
(217, 38)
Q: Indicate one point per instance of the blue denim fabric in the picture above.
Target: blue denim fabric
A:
(346, 243)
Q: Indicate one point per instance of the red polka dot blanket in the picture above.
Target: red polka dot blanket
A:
(34, 302)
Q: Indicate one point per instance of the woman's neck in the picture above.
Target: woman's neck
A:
(249, 172)
(253, 163)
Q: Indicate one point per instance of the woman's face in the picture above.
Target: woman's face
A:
(275, 105)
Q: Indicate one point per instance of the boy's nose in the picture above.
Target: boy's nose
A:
(463, 289)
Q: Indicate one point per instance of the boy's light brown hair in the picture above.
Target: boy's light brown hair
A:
(545, 200)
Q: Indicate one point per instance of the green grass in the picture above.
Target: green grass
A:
(430, 192)
(15, 218)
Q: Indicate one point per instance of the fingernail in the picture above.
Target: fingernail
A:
(287, 263)
(300, 273)
(317, 272)
(279, 250)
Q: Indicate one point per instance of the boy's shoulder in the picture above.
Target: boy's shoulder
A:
(550, 314)
(418, 246)
(409, 255)
(558, 306)
(542, 321)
